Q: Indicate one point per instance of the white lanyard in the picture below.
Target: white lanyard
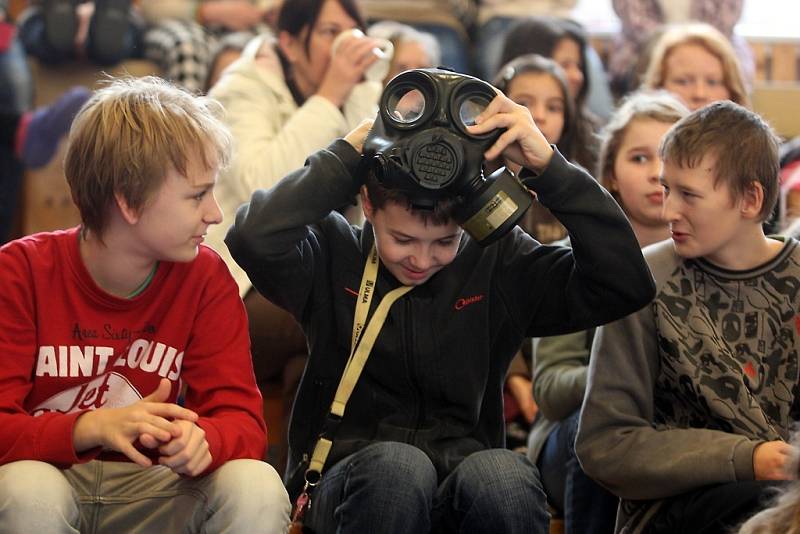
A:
(359, 352)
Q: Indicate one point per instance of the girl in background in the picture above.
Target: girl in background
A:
(698, 64)
(540, 85)
(564, 42)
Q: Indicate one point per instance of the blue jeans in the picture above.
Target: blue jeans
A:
(16, 84)
(16, 97)
(588, 507)
(392, 488)
(32, 35)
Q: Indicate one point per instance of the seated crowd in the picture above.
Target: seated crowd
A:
(586, 279)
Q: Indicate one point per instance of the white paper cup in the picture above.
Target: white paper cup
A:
(384, 50)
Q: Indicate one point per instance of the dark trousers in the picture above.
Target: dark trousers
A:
(32, 35)
(10, 185)
(392, 488)
(588, 508)
(711, 509)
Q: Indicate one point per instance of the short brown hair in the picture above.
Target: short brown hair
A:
(659, 106)
(379, 195)
(745, 147)
(713, 41)
(129, 134)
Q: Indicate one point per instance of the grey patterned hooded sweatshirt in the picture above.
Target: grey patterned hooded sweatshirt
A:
(681, 392)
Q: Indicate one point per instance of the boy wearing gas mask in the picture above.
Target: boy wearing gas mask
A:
(438, 290)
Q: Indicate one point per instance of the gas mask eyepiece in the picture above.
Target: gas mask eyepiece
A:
(420, 145)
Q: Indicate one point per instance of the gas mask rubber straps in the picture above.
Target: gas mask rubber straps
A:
(419, 144)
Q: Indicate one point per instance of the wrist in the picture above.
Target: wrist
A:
(334, 91)
(85, 432)
(331, 96)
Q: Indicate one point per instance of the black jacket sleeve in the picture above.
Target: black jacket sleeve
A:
(272, 237)
(601, 278)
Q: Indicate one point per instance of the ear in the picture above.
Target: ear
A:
(130, 215)
(611, 180)
(366, 205)
(288, 45)
(752, 200)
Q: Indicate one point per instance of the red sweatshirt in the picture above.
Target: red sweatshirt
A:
(67, 346)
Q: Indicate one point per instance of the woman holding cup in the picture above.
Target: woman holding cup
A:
(286, 98)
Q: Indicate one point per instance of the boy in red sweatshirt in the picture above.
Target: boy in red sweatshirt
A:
(101, 327)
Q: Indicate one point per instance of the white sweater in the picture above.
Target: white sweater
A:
(273, 136)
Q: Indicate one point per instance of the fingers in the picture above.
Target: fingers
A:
(360, 52)
(356, 47)
(161, 393)
(499, 104)
(504, 115)
(147, 440)
(197, 465)
(170, 411)
(188, 455)
(157, 420)
(155, 432)
(504, 141)
(191, 434)
(770, 460)
(133, 455)
(357, 136)
(186, 463)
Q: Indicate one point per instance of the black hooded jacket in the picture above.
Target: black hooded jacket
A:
(435, 376)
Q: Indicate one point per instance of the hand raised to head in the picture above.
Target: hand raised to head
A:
(522, 142)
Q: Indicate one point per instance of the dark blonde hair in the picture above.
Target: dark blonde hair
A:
(127, 137)
(709, 38)
(745, 147)
(660, 106)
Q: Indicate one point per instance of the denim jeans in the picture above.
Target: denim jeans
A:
(16, 84)
(392, 488)
(16, 97)
(588, 508)
(10, 184)
(32, 35)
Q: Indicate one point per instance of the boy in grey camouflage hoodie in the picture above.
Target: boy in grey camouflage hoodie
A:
(690, 399)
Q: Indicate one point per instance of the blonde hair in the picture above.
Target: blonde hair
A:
(660, 106)
(129, 134)
(709, 38)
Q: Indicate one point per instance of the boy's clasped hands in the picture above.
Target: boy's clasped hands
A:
(155, 423)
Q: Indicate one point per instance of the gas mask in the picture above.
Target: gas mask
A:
(419, 144)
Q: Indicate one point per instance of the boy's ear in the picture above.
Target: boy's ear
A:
(366, 205)
(130, 215)
(752, 200)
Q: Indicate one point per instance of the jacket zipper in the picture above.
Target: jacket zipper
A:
(412, 369)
